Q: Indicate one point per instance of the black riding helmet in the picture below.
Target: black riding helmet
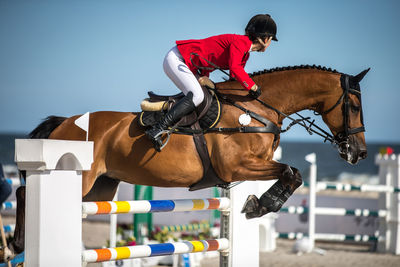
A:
(261, 26)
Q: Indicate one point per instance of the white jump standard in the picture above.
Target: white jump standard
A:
(53, 215)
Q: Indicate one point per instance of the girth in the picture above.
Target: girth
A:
(210, 177)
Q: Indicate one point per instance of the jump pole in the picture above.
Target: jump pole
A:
(53, 226)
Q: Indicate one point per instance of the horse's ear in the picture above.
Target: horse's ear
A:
(361, 75)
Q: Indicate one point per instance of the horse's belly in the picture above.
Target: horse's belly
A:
(135, 161)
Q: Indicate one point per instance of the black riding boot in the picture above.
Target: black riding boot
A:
(180, 109)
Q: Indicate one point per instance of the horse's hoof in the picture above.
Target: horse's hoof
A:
(257, 214)
(251, 204)
(252, 215)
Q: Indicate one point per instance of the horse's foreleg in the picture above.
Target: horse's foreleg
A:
(289, 179)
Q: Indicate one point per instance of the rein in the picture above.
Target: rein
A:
(309, 128)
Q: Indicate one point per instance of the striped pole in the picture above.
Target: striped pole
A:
(349, 187)
(186, 227)
(13, 181)
(146, 206)
(9, 228)
(331, 237)
(9, 205)
(335, 211)
(132, 252)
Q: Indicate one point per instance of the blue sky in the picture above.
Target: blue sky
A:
(69, 57)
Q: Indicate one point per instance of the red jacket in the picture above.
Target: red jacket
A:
(227, 51)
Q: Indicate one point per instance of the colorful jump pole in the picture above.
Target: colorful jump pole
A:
(140, 251)
(147, 206)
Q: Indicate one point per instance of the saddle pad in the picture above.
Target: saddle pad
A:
(209, 120)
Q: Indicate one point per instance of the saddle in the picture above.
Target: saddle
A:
(156, 106)
(206, 116)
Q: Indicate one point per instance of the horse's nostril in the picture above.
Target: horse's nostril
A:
(363, 154)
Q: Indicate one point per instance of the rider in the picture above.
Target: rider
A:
(190, 59)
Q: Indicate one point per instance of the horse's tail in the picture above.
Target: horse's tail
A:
(43, 130)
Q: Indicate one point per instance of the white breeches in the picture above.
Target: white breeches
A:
(177, 70)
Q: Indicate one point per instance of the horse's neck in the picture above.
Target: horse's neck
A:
(296, 90)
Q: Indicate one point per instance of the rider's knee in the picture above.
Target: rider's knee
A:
(198, 97)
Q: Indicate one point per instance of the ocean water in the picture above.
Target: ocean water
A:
(7, 143)
(330, 166)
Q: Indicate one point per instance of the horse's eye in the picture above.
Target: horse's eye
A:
(355, 109)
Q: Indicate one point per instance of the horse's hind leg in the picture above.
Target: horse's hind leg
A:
(103, 189)
(273, 199)
(18, 243)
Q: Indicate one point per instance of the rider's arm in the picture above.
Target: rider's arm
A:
(237, 51)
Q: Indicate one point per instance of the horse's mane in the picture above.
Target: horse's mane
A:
(277, 69)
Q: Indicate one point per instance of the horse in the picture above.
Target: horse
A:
(123, 153)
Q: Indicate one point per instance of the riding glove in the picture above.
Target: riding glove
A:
(255, 94)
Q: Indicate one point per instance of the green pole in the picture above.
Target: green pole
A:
(142, 192)
(216, 214)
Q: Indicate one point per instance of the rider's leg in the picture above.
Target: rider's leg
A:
(184, 79)
(180, 109)
(180, 74)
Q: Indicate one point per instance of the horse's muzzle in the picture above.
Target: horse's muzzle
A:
(352, 151)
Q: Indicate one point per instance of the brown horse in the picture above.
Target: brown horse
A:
(123, 153)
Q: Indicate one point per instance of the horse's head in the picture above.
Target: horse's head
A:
(345, 119)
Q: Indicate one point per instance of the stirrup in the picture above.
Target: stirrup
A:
(157, 141)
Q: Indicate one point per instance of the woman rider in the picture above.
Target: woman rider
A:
(186, 62)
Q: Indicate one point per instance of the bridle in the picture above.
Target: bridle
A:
(341, 139)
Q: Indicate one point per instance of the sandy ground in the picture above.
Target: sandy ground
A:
(337, 255)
